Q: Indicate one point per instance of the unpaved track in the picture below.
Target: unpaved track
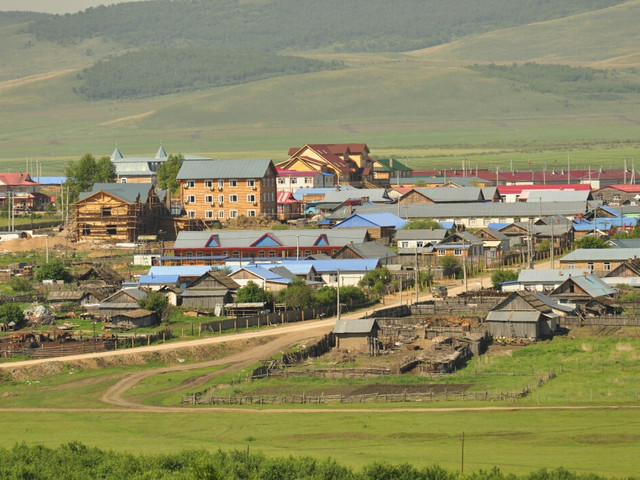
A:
(284, 337)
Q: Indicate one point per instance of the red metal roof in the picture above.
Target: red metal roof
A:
(286, 197)
(623, 188)
(515, 189)
(17, 180)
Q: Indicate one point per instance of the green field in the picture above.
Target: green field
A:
(585, 419)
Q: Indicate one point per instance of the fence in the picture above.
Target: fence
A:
(605, 321)
(454, 306)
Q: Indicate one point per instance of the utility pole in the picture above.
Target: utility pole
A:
(338, 295)
(415, 280)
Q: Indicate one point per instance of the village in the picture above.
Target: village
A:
(421, 269)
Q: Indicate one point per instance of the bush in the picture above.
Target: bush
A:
(19, 284)
(10, 312)
(54, 270)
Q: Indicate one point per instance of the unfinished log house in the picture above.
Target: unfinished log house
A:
(120, 212)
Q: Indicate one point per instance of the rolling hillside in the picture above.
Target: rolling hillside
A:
(423, 105)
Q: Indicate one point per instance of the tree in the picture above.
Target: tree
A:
(252, 292)
(544, 245)
(351, 294)
(168, 172)
(427, 224)
(591, 241)
(19, 284)
(81, 175)
(450, 266)
(154, 302)
(500, 276)
(54, 270)
(297, 295)
(326, 296)
(10, 312)
(376, 281)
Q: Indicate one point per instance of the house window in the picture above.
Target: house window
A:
(419, 244)
(86, 231)
(294, 181)
(233, 183)
(590, 266)
(441, 253)
(208, 183)
(191, 214)
(571, 265)
(616, 198)
(123, 180)
(280, 181)
(190, 184)
(208, 214)
(220, 213)
(251, 183)
(191, 199)
(112, 230)
(261, 254)
(307, 253)
(307, 179)
(457, 252)
(251, 213)
(233, 213)
(251, 198)
(233, 198)
(404, 244)
(606, 266)
(106, 211)
(236, 254)
(220, 199)
(472, 222)
(272, 254)
(220, 184)
(208, 198)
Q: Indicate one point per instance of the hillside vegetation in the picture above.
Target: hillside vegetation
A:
(371, 26)
(160, 72)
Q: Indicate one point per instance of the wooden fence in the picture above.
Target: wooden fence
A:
(604, 321)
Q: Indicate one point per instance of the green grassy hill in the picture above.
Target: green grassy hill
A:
(423, 105)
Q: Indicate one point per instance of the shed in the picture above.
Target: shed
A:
(356, 335)
(138, 318)
(522, 315)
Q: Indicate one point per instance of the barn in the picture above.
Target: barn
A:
(522, 315)
(357, 334)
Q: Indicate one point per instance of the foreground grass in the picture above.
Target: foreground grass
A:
(601, 441)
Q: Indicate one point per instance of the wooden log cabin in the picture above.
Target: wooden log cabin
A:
(120, 212)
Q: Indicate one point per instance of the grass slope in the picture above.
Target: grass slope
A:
(423, 106)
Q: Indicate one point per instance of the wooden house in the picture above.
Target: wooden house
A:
(348, 162)
(579, 290)
(522, 315)
(367, 250)
(124, 300)
(100, 276)
(136, 318)
(120, 212)
(211, 290)
(220, 190)
(356, 335)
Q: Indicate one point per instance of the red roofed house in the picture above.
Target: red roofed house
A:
(288, 207)
(348, 162)
(23, 192)
(615, 195)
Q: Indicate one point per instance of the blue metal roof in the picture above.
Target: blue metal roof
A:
(180, 270)
(497, 226)
(158, 279)
(344, 265)
(372, 220)
(50, 180)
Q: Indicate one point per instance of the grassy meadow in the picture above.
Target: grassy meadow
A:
(585, 419)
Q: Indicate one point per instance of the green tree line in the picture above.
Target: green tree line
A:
(564, 80)
(170, 70)
(277, 25)
(75, 461)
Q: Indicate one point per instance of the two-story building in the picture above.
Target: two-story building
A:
(226, 189)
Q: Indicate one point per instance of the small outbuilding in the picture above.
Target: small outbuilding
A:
(522, 315)
(136, 318)
(356, 335)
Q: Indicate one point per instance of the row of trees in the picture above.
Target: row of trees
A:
(77, 461)
(578, 82)
(278, 25)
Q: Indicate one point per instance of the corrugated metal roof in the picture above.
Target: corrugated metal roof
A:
(467, 210)
(345, 266)
(377, 195)
(592, 285)
(249, 168)
(181, 271)
(129, 192)
(515, 316)
(452, 194)
(421, 234)
(552, 276)
(361, 325)
(601, 254)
